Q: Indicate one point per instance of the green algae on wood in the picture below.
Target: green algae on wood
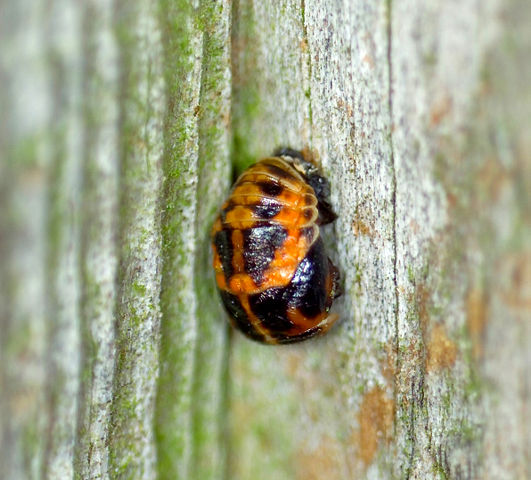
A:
(132, 443)
(98, 249)
(63, 255)
(209, 388)
(182, 39)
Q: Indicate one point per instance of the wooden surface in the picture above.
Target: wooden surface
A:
(123, 124)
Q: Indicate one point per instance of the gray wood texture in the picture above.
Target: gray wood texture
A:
(122, 124)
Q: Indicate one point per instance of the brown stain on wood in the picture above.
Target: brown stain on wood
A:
(517, 292)
(322, 462)
(388, 362)
(476, 319)
(414, 226)
(422, 297)
(359, 227)
(303, 45)
(369, 61)
(345, 106)
(441, 351)
(375, 417)
(440, 108)
(494, 179)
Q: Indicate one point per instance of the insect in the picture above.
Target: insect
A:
(273, 274)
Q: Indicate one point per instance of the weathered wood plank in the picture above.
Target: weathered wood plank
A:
(142, 109)
(63, 279)
(348, 46)
(182, 43)
(192, 398)
(498, 302)
(391, 102)
(435, 85)
(99, 228)
(270, 109)
(125, 120)
(24, 160)
(214, 166)
(320, 386)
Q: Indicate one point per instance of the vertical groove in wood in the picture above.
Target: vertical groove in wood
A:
(209, 416)
(498, 301)
(439, 416)
(350, 130)
(99, 228)
(182, 43)
(24, 163)
(62, 239)
(270, 109)
(269, 65)
(142, 108)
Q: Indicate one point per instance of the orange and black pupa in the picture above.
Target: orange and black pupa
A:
(273, 274)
